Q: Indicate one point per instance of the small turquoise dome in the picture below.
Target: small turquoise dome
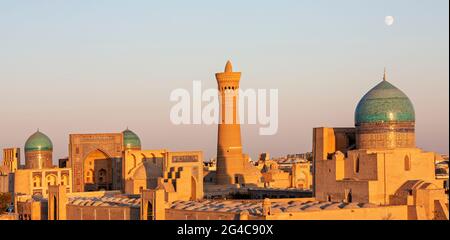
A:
(131, 140)
(384, 103)
(38, 142)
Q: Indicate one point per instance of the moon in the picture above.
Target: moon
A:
(389, 20)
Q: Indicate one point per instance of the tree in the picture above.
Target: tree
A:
(5, 201)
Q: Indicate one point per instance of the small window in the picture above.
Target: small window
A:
(407, 163)
(357, 165)
(51, 180)
(64, 180)
(37, 181)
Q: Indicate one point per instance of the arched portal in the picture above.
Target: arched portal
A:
(97, 171)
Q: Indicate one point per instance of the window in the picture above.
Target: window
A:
(89, 176)
(37, 181)
(357, 165)
(64, 180)
(349, 197)
(51, 180)
(407, 163)
(102, 176)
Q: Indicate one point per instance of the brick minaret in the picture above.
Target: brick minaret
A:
(230, 160)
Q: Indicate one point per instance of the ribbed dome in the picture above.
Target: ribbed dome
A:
(384, 103)
(38, 142)
(131, 140)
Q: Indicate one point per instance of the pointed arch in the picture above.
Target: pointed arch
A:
(97, 171)
(51, 180)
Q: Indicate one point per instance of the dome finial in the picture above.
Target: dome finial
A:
(229, 67)
(384, 75)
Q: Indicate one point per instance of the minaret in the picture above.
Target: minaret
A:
(230, 160)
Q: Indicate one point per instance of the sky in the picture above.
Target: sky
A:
(92, 66)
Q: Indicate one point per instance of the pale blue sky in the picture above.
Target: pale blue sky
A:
(99, 66)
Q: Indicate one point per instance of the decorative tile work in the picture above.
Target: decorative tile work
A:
(384, 103)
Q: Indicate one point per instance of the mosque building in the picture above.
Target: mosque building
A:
(38, 173)
(377, 162)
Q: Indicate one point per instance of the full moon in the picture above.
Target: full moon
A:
(389, 20)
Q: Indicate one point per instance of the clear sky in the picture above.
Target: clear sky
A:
(99, 66)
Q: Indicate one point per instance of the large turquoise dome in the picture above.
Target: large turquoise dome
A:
(38, 142)
(131, 140)
(384, 103)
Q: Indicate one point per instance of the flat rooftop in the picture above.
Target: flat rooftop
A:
(255, 207)
(105, 201)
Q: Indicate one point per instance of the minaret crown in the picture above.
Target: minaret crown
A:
(229, 67)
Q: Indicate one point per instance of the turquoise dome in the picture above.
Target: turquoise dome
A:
(38, 142)
(384, 103)
(131, 140)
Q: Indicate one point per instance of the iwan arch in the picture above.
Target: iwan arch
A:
(96, 161)
(97, 171)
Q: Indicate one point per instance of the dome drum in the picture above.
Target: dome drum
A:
(400, 127)
(385, 135)
(38, 160)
